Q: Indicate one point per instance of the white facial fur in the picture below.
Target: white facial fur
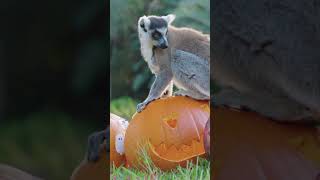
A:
(146, 41)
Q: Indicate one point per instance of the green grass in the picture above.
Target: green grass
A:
(200, 170)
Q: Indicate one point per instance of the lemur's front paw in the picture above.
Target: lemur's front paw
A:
(141, 106)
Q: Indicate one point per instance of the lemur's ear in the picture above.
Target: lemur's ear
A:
(142, 22)
(170, 18)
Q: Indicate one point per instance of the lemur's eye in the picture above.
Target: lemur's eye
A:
(156, 35)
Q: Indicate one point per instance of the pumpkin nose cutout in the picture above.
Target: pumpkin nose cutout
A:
(172, 122)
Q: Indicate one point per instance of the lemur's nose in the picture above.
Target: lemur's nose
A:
(163, 46)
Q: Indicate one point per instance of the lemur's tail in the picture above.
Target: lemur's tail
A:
(10, 173)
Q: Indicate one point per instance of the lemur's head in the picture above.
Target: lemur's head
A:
(154, 30)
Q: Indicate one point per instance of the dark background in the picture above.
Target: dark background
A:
(53, 82)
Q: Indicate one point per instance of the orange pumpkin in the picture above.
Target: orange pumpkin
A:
(93, 170)
(249, 146)
(171, 129)
(118, 128)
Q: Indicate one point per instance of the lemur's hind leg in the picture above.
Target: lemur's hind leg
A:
(277, 108)
(191, 75)
(228, 97)
(191, 94)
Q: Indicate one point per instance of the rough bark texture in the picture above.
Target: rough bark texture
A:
(283, 29)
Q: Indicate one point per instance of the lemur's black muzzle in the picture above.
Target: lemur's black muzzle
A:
(163, 46)
(162, 43)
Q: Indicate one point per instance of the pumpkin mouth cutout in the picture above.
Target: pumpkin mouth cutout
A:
(174, 153)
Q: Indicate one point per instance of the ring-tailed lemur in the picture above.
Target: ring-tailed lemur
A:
(179, 56)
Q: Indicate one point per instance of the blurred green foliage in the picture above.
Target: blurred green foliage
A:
(53, 83)
(129, 73)
(124, 107)
(46, 144)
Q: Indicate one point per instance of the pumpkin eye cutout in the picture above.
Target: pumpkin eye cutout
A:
(172, 123)
(171, 120)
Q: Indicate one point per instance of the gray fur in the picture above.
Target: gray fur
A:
(266, 105)
(191, 75)
(266, 57)
(276, 88)
(157, 22)
(185, 63)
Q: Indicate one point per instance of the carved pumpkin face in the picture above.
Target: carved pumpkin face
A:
(172, 128)
(118, 128)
